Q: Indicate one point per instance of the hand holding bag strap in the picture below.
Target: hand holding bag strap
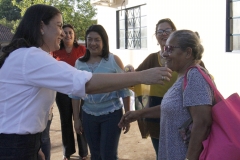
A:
(217, 95)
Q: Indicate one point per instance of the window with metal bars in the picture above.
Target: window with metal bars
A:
(132, 28)
(233, 26)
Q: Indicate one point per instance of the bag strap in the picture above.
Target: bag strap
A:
(217, 95)
(183, 88)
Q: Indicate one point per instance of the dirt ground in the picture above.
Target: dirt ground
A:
(131, 147)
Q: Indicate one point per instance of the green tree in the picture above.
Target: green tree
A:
(6, 23)
(8, 11)
(78, 13)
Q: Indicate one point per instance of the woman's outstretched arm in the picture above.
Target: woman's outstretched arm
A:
(100, 83)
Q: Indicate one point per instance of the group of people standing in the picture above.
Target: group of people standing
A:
(90, 81)
(98, 114)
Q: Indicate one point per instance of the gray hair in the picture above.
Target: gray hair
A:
(187, 38)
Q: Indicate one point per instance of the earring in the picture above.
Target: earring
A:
(42, 32)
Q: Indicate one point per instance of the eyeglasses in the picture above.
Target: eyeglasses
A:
(169, 49)
(166, 31)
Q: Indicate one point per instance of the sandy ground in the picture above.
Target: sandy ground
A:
(131, 147)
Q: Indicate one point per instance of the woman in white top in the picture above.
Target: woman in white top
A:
(29, 77)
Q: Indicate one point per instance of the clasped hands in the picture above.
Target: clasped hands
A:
(129, 117)
(157, 74)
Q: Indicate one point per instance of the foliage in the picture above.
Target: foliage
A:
(78, 13)
(6, 23)
(9, 16)
(24, 4)
(8, 11)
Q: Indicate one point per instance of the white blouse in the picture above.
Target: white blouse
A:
(28, 81)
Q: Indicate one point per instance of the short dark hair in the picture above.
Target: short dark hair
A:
(103, 34)
(75, 43)
(167, 20)
(188, 38)
(28, 32)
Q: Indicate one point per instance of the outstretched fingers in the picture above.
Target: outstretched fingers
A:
(124, 122)
(166, 73)
(157, 75)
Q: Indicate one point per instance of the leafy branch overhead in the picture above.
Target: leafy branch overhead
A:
(78, 13)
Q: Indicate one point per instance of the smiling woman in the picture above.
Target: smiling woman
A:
(69, 52)
(163, 29)
(179, 103)
(52, 34)
(101, 112)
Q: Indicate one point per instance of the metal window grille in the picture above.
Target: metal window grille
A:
(232, 26)
(132, 28)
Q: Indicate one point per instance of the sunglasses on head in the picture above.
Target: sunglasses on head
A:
(169, 49)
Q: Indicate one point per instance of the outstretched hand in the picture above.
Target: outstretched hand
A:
(157, 75)
(128, 117)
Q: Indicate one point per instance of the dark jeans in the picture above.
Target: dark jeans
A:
(16, 147)
(102, 133)
(154, 101)
(46, 142)
(155, 143)
(64, 104)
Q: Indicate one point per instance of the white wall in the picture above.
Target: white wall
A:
(208, 17)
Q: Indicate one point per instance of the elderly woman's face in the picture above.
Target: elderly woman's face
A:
(175, 57)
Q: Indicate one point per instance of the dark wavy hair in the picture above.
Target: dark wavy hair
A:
(28, 33)
(75, 43)
(103, 34)
(167, 20)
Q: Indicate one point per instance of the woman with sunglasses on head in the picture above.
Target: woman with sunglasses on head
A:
(152, 127)
(182, 51)
(69, 52)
